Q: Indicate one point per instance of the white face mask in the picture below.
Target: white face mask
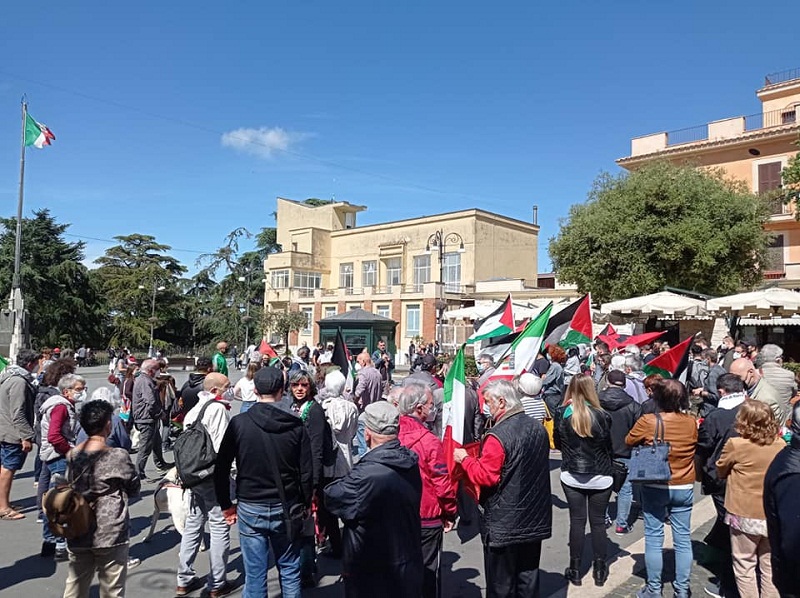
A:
(736, 355)
(486, 411)
(79, 396)
(431, 415)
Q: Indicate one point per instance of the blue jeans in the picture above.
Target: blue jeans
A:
(361, 438)
(624, 497)
(657, 505)
(59, 466)
(260, 525)
(246, 405)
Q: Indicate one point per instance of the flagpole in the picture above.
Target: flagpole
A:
(15, 302)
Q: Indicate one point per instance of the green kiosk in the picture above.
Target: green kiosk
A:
(360, 329)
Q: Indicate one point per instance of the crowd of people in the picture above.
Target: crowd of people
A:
(313, 461)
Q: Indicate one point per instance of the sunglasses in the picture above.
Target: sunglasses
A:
(302, 384)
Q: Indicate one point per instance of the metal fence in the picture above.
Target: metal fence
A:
(782, 76)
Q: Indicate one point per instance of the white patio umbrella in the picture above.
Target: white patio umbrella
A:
(774, 301)
(657, 304)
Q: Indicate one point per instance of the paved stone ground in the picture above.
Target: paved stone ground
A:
(24, 574)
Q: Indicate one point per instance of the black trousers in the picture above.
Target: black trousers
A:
(149, 441)
(431, 561)
(512, 571)
(581, 502)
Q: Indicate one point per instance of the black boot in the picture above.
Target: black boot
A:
(573, 572)
(600, 571)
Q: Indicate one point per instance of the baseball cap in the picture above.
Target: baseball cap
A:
(529, 384)
(382, 417)
(616, 377)
(429, 359)
(268, 381)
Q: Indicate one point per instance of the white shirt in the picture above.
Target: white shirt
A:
(215, 419)
(245, 390)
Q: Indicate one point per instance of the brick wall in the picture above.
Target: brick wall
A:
(428, 329)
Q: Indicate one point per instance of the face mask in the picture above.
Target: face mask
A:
(736, 355)
(486, 411)
(228, 394)
(358, 366)
(480, 367)
(79, 396)
(431, 415)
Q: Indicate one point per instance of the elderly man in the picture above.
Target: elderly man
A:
(147, 415)
(512, 469)
(214, 413)
(781, 489)
(218, 360)
(485, 366)
(379, 502)
(369, 389)
(438, 505)
(16, 424)
(770, 362)
(757, 387)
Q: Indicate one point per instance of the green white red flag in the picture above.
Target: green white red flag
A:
(672, 363)
(454, 410)
(37, 134)
(526, 346)
(498, 323)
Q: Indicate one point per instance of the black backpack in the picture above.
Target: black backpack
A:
(194, 452)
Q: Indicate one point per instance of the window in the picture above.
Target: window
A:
(330, 311)
(382, 310)
(769, 176)
(394, 271)
(775, 255)
(369, 274)
(354, 306)
(346, 277)
(451, 272)
(788, 118)
(422, 271)
(412, 320)
(306, 282)
(280, 279)
(308, 312)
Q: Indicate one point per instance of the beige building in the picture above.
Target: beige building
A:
(753, 149)
(407, 270)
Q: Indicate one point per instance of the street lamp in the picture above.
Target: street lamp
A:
(156, 288)
(440, 241)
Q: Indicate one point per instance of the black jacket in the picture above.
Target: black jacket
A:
(519, 509)
(191, 389)
(379, 503)
(781, 489)
(590, 455)
(319, 433)
(474, 421)
(624, 412)
(245, 441)
(714, 431)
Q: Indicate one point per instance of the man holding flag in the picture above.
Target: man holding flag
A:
(511, 469)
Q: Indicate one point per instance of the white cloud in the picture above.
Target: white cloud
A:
(263, 142)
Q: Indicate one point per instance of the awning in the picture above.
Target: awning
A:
(769, 322)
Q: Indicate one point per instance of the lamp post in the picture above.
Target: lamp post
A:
(440, 241)
(156, 288)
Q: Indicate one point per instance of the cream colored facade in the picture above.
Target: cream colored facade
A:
(329, 264)
(753, 149)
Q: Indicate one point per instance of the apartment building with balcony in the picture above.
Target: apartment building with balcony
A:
(408, 270)
(754, 149)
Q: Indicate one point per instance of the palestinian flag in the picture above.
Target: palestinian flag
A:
(576, 331)
(560, 324)
(454, 410)
(526, 346)
(498, 323)
(341, 357)
(623, 340)
(3, 363)
(672, 363)
(37, 134)
(266, 349)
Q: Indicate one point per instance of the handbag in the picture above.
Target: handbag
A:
(619, 474)
(549, 425)
(650, 463)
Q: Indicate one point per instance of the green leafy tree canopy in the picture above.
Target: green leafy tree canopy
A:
(663, 225)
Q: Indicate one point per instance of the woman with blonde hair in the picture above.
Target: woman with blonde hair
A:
(245, 389)
(744, 462)
(582, 433)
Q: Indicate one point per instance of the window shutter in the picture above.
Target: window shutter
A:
(769, 176)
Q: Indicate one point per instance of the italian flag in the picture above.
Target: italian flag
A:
(454, 408)
(498, 323)
(37, 134)
(575, 331)
(526, 346)
(3, 363)
(672, 363)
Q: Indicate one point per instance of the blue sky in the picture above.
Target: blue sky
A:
(409, 108)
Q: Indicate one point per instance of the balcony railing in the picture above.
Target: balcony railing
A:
(782, 77)
(752, 122)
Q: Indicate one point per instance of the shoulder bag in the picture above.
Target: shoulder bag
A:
(650, 463)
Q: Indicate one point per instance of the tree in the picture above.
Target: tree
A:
(131, 274)
(282, 323)
(663, 225)
(791, 182)
(313, 201)
(60, 295)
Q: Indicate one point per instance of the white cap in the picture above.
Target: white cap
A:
(529, 384)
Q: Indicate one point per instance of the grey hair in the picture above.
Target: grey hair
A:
(334, 383)
(149, 365)
(68, 381)
(393, 396)
(634, 362)
(413, 395)
(503, 388)
(769, 353)
(485, 356)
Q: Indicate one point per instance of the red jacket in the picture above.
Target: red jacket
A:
(438, 494)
